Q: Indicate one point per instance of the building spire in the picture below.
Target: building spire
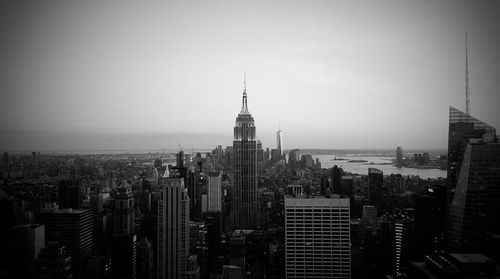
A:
(244, 106)
(467, 92)
(244, 81)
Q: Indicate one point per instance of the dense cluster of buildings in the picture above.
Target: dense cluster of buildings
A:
(246, 212)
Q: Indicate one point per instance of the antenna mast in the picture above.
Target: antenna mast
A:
(467, 92)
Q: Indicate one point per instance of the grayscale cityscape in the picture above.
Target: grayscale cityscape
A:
(249, 139)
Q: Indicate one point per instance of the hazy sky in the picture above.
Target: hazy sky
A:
(333, 74)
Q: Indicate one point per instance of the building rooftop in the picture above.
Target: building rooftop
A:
(304, 200)
(470, 258)
(68, 211)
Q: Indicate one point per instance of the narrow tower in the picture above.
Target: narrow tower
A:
(279, 142)
(244, 214)
(467, 92)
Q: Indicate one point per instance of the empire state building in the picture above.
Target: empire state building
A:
(245, 213)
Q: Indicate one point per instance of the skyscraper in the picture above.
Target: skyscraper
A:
(396, 244)
(279, 142)
(72, 228)
(69, 194)
(462, 128)
(53, 262)
(245, 210)
(214, 192)
(173, 229)
(473, 222)
(24, 245)
(467, 138)
(124, 211)
(124, 261)
(317, 237)
(399, 157)
(376, 185)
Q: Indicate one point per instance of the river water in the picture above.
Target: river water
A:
(382, 163)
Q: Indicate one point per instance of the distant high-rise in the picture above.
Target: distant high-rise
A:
(245, 209)
(123, 214)
(399, 157)
(279, 142)
(72, 228)
(69, 194)
(214, 192)
(173, 229)
(317, 237)
(375, 184)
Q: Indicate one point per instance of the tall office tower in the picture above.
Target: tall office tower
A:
(396, 244)
(237, 249)
(69, 194)
(144, 259)
(180, 159)
(279, 142)
(73, 229)
(245, 210)
(462, 128)
(24, 245)
(346, 185)
(292, 158)
(324, 186)
(430, 220)
(123, 214)
(260, 152)
(399, 157)
(173, 229)
(336, 174)
(376, 187)
(214, 192)
(473, 223)
(369, 215)
(124, 256)
(317, 237)
(53, 262)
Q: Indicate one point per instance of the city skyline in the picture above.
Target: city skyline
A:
(109, 76)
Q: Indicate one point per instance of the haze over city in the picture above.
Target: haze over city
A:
(353, 74)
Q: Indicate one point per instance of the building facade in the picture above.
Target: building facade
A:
(244, 213)
(173, 229)
(473, 222)
(214, 192)
(279, 142)
(317, 237)
(72, 228)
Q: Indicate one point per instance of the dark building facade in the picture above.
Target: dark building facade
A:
(73, 229)
(69, 194)
(376, 185)
(123, 258)
(474, 223)
(473, 180)
(53, 262)
(462, 128)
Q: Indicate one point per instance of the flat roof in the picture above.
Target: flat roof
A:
(316, 201)
(471, 258)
